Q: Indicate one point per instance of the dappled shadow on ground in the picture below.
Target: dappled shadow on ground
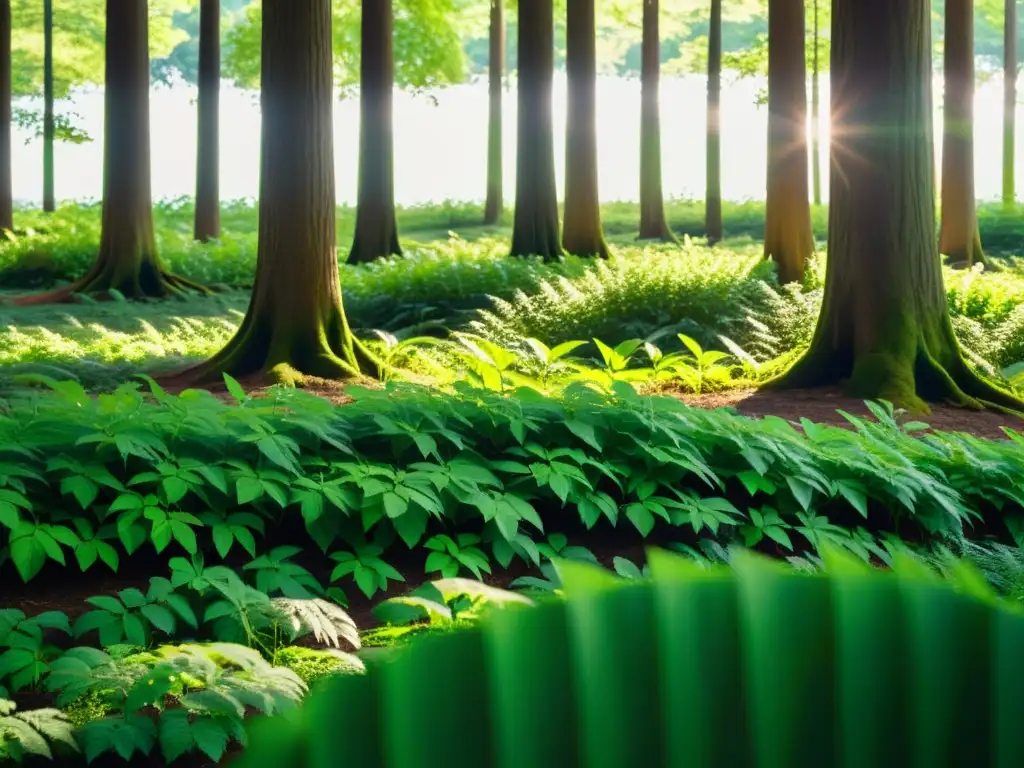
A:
(822, 406)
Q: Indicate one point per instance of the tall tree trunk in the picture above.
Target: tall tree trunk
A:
(207, 218)
(959, 237)
(1010, 104)
(376, 232)
(127, 261)
(816, 109)
(653, 225)
(788, 238)
(713, 196)
(295, 325)
(581, 229)
(49, 126)
(495, 204)
(884, 328)
(6, 182)
(535, 225)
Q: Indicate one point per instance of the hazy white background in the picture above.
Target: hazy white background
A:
(441, 148)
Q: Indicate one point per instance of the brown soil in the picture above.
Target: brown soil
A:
(821, 406)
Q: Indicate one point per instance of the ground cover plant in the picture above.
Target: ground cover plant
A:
(250, 447)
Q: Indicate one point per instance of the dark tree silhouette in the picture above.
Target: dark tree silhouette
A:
(376, 232)
(495, 203)
(788, 238)
(207, 218)
(959, 236)
(581, 229)
(127, 261)
(884, 329)
(535, 225)
(49, 124)
(713, 196)
(653, 225)
(295, 326)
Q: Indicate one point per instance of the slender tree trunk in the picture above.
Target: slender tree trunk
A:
(295, 326)
(816, 109)
(535, 226)
(788, 238)
(884, 327)
(653, 225)
(582, 234)
(376, 232)
(495, 204)
(6, 182)
(207, 219)
(127, 261)
(1010, 104)
(959, 237)
(49, 127)
(713, 196)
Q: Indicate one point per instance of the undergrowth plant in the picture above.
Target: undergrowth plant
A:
(483, 477)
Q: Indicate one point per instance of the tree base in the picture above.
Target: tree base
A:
(907, 382)
(258, 350)
(148, 282)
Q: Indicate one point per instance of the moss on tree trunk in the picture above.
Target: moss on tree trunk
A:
(49, 126)
(6, 188)
(495, 203)
(535, 224)
(295, 325)
(376, 231)
(581, 228)
(959, 237)
(884, 329)
(653, 225)
(207, 215)
(713, 195)
(127, 261)
(1009, 103)
(788, 238)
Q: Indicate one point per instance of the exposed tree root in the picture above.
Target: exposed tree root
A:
(257, 350)
(909, 383)
(147, 282)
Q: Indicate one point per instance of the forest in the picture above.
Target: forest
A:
(541, 479)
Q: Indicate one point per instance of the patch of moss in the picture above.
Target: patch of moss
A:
(87, 708)
(312, 665)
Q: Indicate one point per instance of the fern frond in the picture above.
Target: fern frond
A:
(326, 621)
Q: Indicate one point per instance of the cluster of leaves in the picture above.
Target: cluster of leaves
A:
(474, 476)
(533, 364)
(180, 697)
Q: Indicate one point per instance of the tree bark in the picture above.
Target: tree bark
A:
(581, 229)
(49, 125)
(295, 326)
(207, 218)
(1010, 104)
(495, 203)
(376, 232)
(713, 196)
(959, 237)
(653, 225)
(816, 110)
(884, 328)
(127, 261)
(6, 182)
(535, 225)
(788, 238)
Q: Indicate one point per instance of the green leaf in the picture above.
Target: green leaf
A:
(210, 737)
(160, 617)
(394, 505)
(641, 517)
(235, 389)
(222, 539)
